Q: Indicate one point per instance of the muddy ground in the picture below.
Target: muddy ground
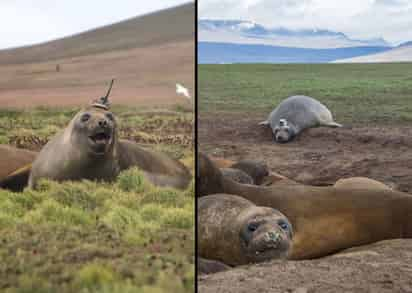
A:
(318, 157)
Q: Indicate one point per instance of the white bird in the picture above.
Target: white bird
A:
(181, 90)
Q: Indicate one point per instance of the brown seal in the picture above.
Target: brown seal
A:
(89, 148)
(13, 161)
(360, 183)
(235, 231)
(208, 266)
(325, 219)
(237, 175)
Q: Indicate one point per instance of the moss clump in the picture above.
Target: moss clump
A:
(133, 180)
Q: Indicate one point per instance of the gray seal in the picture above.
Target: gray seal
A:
(235, 231)
(295, 114)
(89, 148)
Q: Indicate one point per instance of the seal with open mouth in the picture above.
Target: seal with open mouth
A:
(235, 231)
(89, 148)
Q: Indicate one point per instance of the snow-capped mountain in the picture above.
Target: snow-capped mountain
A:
(248, 32)
(402, 53)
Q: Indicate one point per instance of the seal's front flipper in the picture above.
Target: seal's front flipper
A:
(265, 123)
(208, 266)
(17, 180)
(333, 125)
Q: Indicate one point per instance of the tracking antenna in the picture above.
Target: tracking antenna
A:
(104, 102)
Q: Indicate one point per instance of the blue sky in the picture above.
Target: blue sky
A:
(390, 19)
(24, 22)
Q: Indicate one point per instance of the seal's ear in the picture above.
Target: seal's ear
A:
(103, 102)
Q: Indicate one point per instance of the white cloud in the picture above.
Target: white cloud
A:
(391, 19)
(25, 22)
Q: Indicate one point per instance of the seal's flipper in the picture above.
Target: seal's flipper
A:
(17, 180)
(333, 125)
(265, 123)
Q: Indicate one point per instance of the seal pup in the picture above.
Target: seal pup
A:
(15, 166)
(325, 219)
(235, 231)
(360, 183)
(89, 148)
(296, 113)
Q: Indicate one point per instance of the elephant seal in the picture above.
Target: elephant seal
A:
(256, 169)
(325, 219)
(235, 231)
(295, 114)
(237, 175)
(12, 158)
(15, 167)
(360, 183)
(207, 266)
(89, 148)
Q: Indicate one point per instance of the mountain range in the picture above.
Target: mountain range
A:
(237, 41)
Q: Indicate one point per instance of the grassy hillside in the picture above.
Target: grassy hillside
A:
(170, 25)
(128, 236)
(375, 93)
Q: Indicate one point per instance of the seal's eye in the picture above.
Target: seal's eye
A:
(85, 117)
(110, 116)
(252, 227)
(282, 224)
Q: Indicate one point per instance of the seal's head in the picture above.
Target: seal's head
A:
(95, 129)
(256, 169)
(283, 132)
(265, 234)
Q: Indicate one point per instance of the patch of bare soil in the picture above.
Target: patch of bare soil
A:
(319, 156)
(381, 267)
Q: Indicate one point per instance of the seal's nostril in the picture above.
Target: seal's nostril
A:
(103, 123)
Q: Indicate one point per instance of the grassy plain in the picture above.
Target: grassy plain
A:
(355, 93)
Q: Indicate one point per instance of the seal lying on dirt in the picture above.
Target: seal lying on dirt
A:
(360, 183)
(295, 114)
(237, 175)
(325, 219)
(207, 266)
(89, 148)
(257, 170)
(233, 230)
(14, 160)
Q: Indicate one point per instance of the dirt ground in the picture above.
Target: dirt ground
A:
(380, 267)
(319, 156)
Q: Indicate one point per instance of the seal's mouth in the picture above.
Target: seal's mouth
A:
(100, 140)
(272, 246)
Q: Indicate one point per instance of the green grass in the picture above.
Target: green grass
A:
(127, 236)
(32, 128)
(355, 93)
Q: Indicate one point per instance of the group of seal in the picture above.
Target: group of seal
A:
(325, 220)
(295, 114)
(89, 148)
